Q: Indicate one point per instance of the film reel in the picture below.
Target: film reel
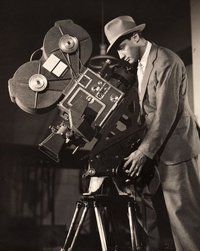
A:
(34, 89)
(68, 41)
(38, 85)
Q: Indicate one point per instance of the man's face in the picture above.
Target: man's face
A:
(128, 50)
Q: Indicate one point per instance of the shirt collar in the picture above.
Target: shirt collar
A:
(144, 58)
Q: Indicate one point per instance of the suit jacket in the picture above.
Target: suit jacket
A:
(172, 133)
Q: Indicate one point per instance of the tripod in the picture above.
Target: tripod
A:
(99, 203)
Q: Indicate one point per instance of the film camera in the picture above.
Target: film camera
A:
(98, 111)
(97, 102)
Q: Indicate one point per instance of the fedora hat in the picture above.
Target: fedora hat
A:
(119, 27)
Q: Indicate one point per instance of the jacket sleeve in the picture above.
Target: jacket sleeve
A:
(169, 79)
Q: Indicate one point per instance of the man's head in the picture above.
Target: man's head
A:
(124, 35)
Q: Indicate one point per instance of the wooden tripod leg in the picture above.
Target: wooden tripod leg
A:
(135, 241)
(100, 228)
(132, 226)
(75, 216)
(79, 205)
(86, 206)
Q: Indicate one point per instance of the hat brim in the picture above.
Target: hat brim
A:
(136, 28)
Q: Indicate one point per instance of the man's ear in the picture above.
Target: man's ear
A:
(136, 37)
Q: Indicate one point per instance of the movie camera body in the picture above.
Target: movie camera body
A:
(98, 104)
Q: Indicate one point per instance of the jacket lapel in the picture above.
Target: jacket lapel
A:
(149, 67)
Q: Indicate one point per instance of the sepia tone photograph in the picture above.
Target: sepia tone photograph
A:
(100, 125)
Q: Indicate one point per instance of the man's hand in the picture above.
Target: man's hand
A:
(136, 160)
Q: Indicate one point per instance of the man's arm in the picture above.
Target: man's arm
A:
(167, 101)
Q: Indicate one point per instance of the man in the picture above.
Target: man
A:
(172, 138)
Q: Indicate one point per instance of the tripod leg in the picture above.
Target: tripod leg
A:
(79, 225)
(100, 228)
(75, 216)
(131, 225)
(133, 228)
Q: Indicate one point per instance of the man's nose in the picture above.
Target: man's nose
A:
(121, 55)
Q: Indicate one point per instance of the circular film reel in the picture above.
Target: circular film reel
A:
(34, 89)
(69, 42)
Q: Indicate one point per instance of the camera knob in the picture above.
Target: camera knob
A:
(37, 82)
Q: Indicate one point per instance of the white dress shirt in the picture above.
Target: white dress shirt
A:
(142, 65)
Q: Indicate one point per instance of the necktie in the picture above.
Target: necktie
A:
(140, 74)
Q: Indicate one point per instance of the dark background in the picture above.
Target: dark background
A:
(37, 195)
